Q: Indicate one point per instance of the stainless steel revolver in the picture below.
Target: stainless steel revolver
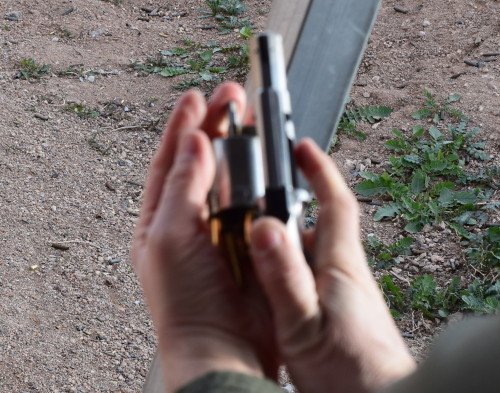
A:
(256, 173)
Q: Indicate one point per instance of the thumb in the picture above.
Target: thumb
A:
(288, 283)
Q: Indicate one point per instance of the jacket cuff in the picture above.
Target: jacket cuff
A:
(230, 382)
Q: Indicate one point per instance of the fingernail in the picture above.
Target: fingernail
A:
(187, 148)
(266, 241)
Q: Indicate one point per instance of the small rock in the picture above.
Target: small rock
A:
(60, 246)
(427, 228)
(133, 212)
(350, 164)
(401, 9)
(366, 94)
(421, 33)
(114, 261)
(33, 267)
(426, 23)
(368, 162)
(14, 16)
(90, 78)
(68, 11)
(492, 86)
(110, 186)
(41, 117)
(430, 268)
(436, 258)
(417, 250)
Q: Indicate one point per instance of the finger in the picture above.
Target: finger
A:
(187, 115)
(184, 195)
(338, 224)
(287, 282)
(216, 123)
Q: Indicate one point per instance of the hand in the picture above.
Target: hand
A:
(333, 328)
(203, 321)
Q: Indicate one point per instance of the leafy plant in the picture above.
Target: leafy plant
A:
(393, 295)
(383, 256)
(421, 179)
(83, 111)
(482, 297)
(369, 114)
(484, 248)
(191, 59)
(432, 301)
(226, 13)
(29, 69)
(225, 7)
(437, 110)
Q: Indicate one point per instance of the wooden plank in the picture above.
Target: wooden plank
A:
(325, 62)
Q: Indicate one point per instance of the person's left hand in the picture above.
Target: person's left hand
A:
(203, 321)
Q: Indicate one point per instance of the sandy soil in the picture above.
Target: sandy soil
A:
(74, 320)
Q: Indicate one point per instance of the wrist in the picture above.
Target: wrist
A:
(185, 359)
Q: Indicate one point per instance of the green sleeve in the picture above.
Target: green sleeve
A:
(466, 359)
(230, 382)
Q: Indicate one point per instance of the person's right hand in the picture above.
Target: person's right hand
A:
(334, 330)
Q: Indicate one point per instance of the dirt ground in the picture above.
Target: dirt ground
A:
(74, 320)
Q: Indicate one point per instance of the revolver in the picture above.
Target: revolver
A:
(255, 169)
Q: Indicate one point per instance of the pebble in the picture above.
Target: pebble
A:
(68, 11)
(14, 16)
(133, 212)
(90, 78)
(421, 33)
(59, 246)
(436, 258)
(492, 86)
(426, 23)
(350, 164)
(366, 94)
(430, 268)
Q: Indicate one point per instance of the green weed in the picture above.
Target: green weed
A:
(426, 181)
(83, 111)
(368, 114)
(227, 14)
(383, 256)
(29, 69)
(192, 59)
(393, 294)
(438, 110)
